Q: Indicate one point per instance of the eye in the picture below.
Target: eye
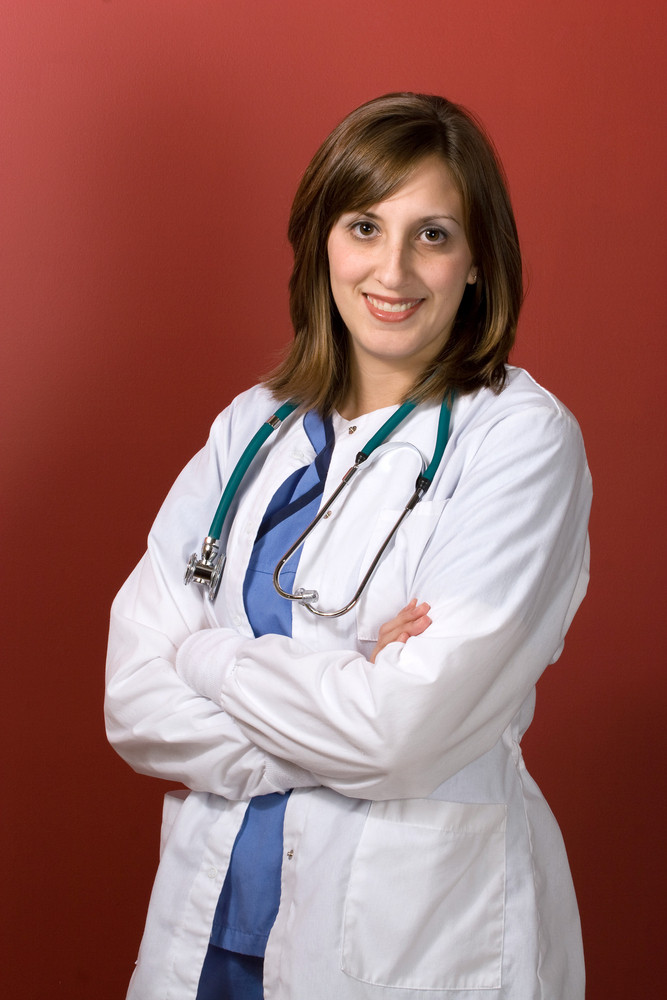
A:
(363, 229)
(434, 235)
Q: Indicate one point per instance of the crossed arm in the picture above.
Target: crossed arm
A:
(235, 715)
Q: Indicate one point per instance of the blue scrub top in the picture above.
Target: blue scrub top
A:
(250, 896)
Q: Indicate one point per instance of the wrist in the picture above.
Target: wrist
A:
(204, 659)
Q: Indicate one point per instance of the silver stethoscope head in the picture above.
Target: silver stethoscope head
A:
(206, 570)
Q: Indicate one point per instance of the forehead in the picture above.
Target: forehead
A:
(428, 189)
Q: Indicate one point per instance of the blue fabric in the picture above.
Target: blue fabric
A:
(293, 507)
(250, 896)
(228, 976)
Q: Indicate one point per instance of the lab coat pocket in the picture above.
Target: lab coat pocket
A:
(426, 898)
(389, 588)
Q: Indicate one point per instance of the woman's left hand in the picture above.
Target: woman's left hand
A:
(412, 620)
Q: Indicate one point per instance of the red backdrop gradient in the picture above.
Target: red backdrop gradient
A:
(149, 153)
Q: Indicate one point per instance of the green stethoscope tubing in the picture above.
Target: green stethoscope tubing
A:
(243, 464)
(207, 570)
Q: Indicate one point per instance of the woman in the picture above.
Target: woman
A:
(360, 822)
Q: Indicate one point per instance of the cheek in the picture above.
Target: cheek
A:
(450, 282)
(346, 268)
(344, 271)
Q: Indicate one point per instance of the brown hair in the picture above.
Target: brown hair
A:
(364, 160)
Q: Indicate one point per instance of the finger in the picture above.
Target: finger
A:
(419, 625)
(408, 611)
(412, 611)
(423, 609)
(418, 612)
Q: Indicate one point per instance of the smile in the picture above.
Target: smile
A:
(391, 310)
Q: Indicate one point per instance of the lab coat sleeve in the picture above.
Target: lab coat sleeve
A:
(155, 721)
(504, 572)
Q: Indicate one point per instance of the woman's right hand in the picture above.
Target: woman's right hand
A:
(412, 620)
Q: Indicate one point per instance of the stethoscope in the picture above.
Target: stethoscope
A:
(207, 569)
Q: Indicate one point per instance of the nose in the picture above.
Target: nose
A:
(393, 264)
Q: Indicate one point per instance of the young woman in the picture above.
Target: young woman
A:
(360, 824)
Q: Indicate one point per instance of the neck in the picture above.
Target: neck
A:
(370, 391)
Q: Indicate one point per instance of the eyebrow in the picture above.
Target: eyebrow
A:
(420, 222)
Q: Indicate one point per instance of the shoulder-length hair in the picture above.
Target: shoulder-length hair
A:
(365, 159)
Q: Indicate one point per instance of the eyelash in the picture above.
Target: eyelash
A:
(356, 226)
(443, 234)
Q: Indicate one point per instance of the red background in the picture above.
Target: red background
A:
(149, 152)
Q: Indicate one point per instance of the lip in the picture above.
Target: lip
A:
(391, 310)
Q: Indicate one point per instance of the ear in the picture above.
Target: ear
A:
(472, 275)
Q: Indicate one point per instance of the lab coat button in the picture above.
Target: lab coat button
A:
(212, 872)
(290, 855)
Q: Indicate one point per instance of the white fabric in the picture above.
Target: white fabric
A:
(420, 858)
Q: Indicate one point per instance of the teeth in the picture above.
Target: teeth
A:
(396, 307)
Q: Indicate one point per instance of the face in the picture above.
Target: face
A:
(398, 272)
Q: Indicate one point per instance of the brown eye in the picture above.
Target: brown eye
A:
(434, 235)
(363, 229)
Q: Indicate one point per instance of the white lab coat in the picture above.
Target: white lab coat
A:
(421, 860)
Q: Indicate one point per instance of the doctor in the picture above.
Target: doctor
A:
(360, 824)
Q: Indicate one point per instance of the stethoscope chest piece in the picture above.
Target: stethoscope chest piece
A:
(206, 570)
